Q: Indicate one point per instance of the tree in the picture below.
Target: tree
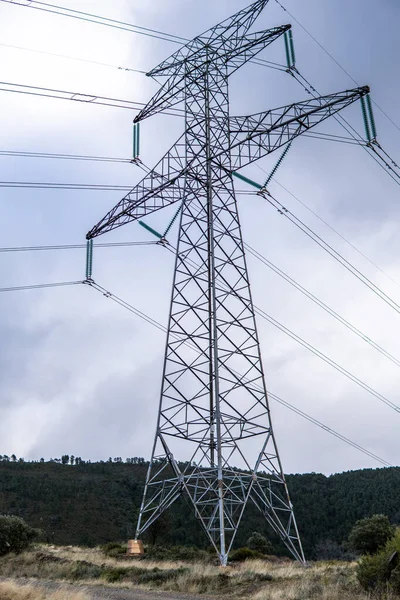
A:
(370, 534)
(259, 543)
(15, 534)
(65, 459)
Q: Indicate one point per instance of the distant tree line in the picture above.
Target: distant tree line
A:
(76, 501)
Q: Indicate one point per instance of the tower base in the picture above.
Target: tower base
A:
(135, 548)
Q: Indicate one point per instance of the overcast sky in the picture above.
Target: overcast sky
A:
(81, 375)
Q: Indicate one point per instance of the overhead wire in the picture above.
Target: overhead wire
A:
(331, 251)
(313, 212)
(37, 286)
(90, 17)
(264, 315)
(83, 157)
(341, 67)
(74, 246)
(369, 147)
(18, 88)
(320, 303)
(99, 20)
(67, 57)
(276, 398)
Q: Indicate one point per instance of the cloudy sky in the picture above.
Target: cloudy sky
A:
(81, 375)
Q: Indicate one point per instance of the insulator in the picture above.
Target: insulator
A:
(365, 117)
(286, 39)
(371, 116)
(278, 164)
(247, 180)
(172, 221)
(153, 231)
(136, 139)
(89, 258)
(291, 44)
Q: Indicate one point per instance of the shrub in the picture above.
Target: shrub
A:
(331, 550)
(370, 534)
(373, 571)
(85, 570)
(114, 549)
(158, 576)
(259, 543)
(241, 554)
(111, 575)
(15, 534)
(183, 553)
(376, 571)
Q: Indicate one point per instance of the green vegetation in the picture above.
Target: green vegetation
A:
(380, 572)
(15, 534)
(370, 534)
(83, 503)
(261, 579)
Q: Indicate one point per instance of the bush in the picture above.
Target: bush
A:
(114, 549)
(112, 575)
(15, 534)
(83, 569)
(370, 534)
(331, 550)
(174, 553)
(373, 571)
(259, 543)
(242, 554)
(377, 571)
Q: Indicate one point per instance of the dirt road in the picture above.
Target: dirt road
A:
(102, 592)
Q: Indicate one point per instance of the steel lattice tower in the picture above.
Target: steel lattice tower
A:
(214, 408)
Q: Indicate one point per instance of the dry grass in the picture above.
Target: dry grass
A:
(258, 579)
(12, 591)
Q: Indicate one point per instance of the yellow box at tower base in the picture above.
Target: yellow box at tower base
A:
(135, 548)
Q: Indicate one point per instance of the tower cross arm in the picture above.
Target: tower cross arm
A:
(257, 135)
(160, 187)
(238, 53)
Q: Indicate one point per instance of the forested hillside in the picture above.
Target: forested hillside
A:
(88, 503)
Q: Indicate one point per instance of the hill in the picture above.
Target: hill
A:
(87, 503)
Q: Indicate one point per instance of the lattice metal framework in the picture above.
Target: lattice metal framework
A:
(214, 408)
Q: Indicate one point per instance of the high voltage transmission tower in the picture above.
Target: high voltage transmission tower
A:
(214, 408)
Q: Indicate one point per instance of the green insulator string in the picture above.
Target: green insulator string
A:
(247, 180)
(136, 140)
(371, 116)
(172, 221)
(89, 258)
(365, 117)
(291, 45)
(278, 164)
(151, 230)
(286, 39)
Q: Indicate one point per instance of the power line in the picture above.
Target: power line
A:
(74, 246)
(44, 185)
(264, 315)
(333, 229)
(111, 159)
(92, 18)
(77, 96)
(299, 412)
(321, 304)
(369, 148)
(99, 20)
(331, 251)
(85, 60)
(27, 154)
(341, 67)
(39, 286)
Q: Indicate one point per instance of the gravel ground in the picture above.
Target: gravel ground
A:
(102, 592)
